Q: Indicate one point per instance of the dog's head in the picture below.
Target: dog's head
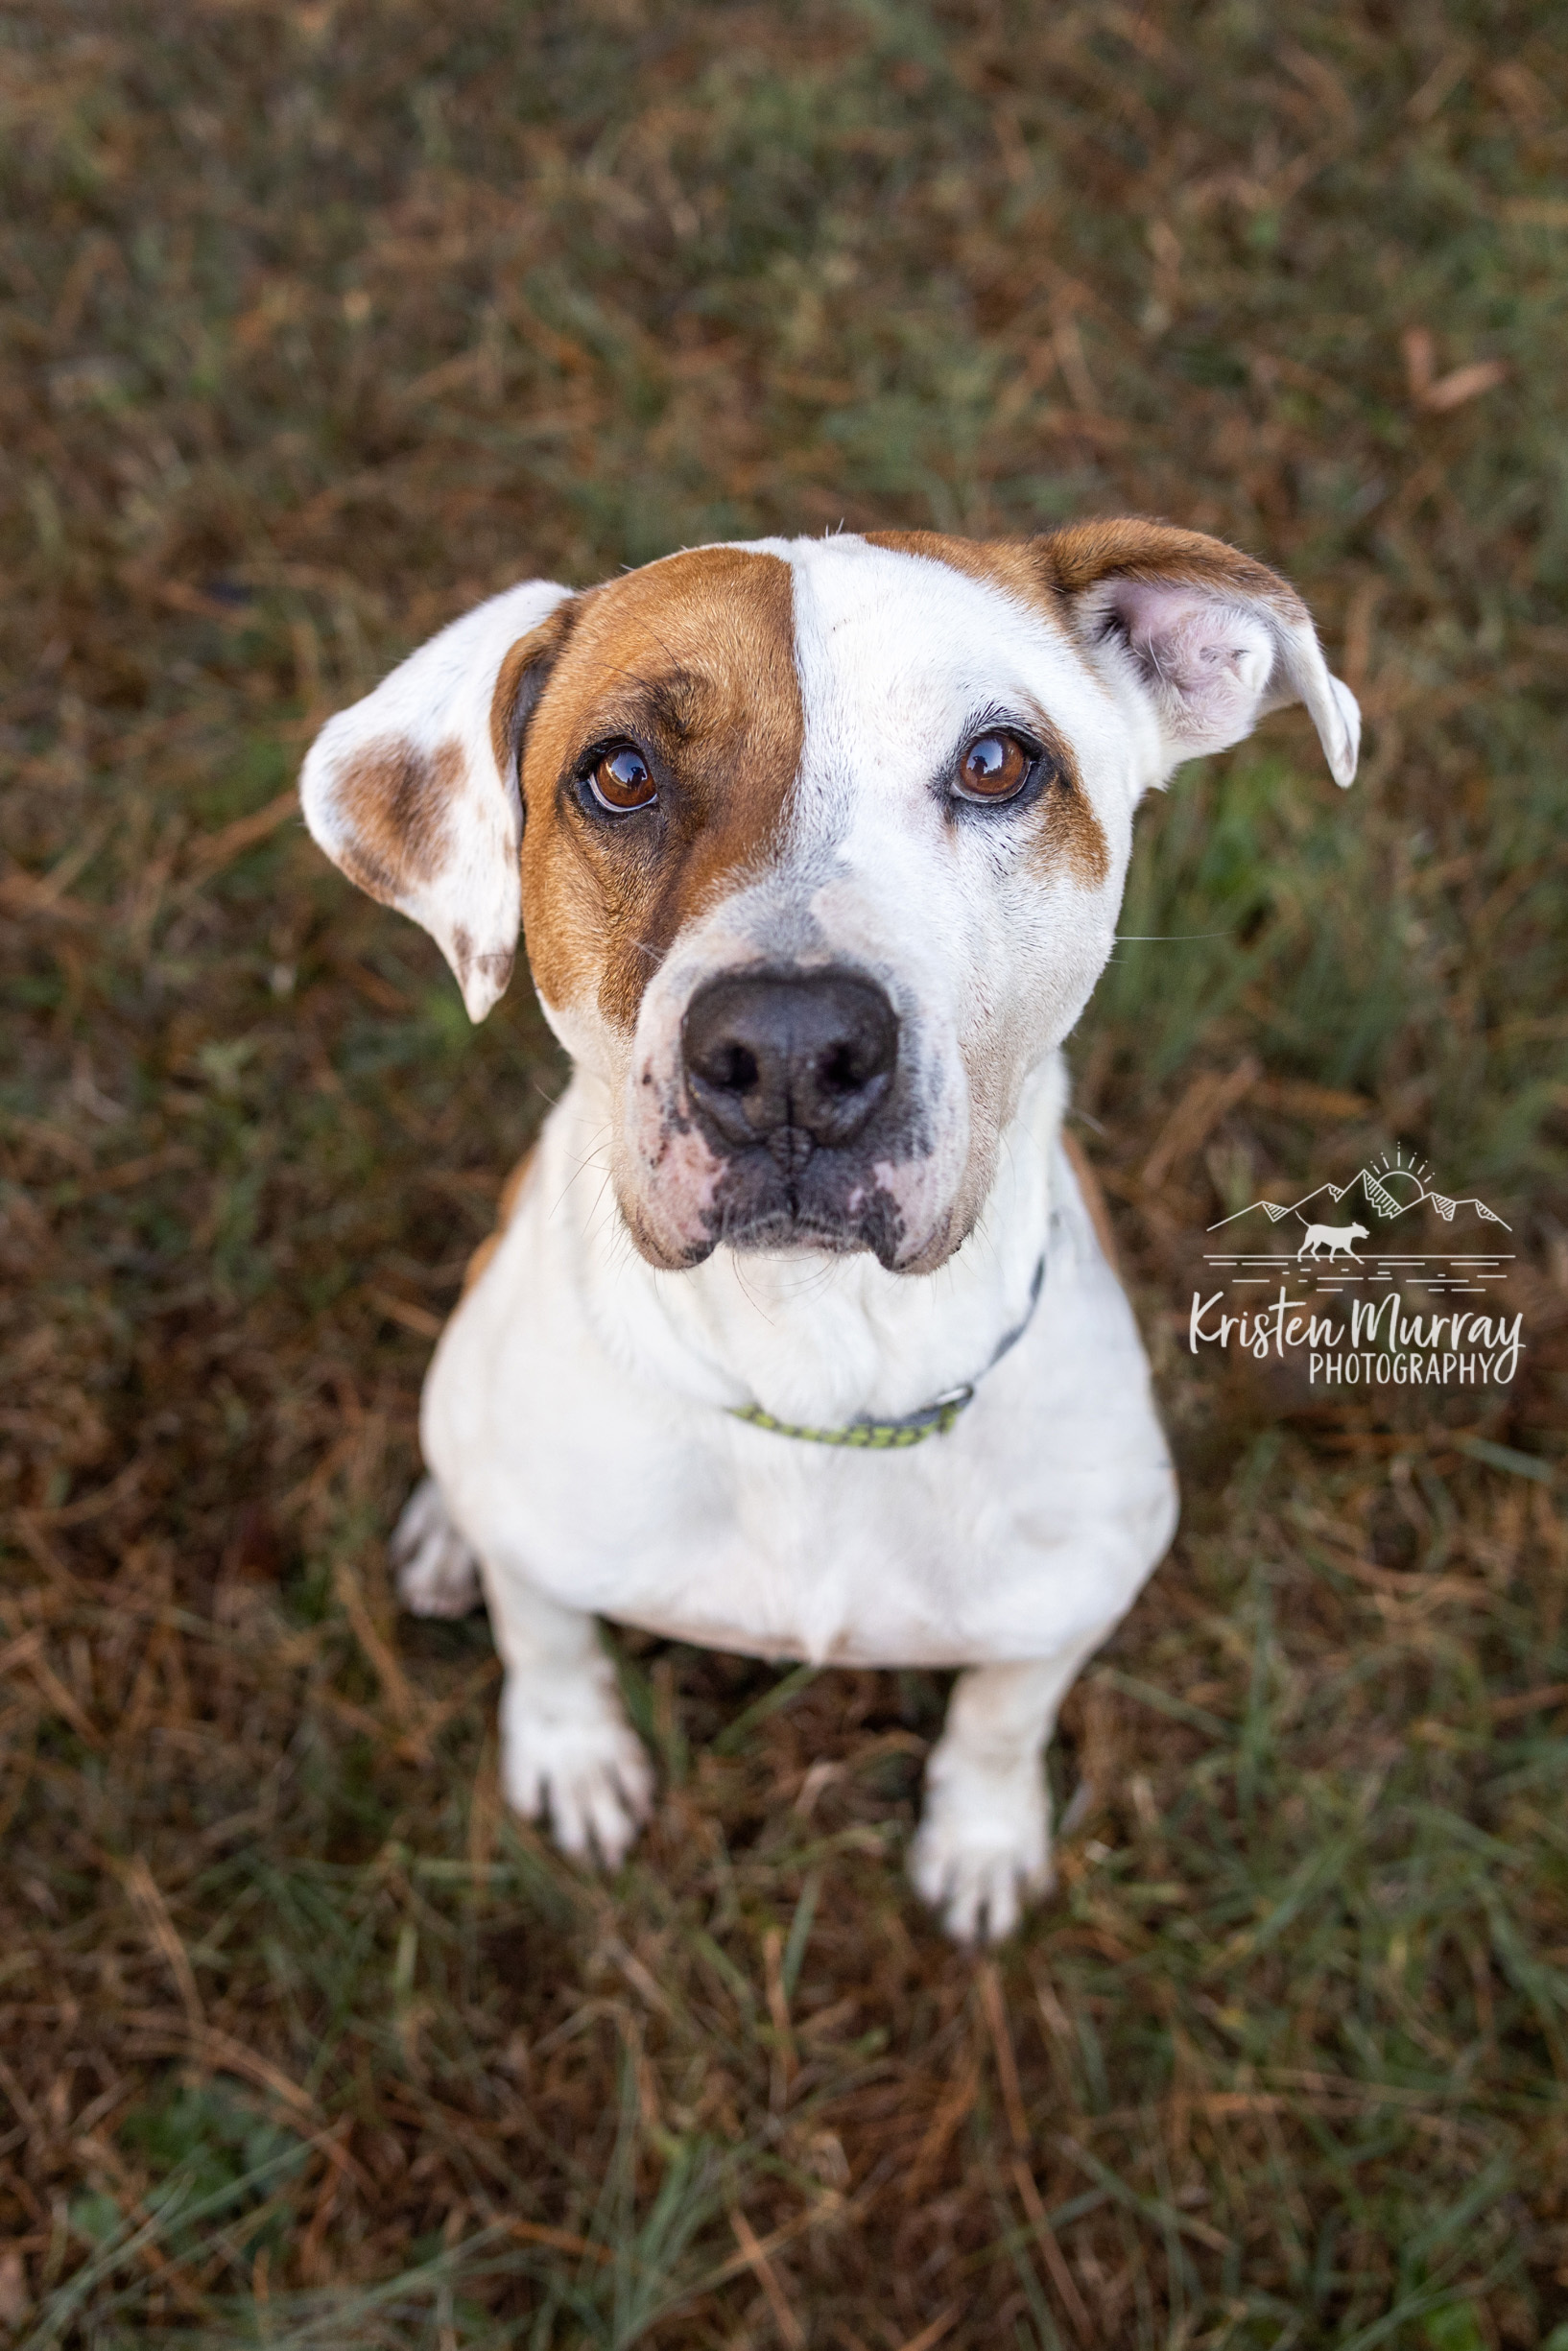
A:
(817, 845)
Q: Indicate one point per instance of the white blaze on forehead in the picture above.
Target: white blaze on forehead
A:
(896, 652)
(967, 916)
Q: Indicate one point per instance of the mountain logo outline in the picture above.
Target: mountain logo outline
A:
(1374, 1185)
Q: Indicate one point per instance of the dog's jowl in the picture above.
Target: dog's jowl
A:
(798, 1338)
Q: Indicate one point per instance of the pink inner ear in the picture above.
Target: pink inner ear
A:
(1206, 663)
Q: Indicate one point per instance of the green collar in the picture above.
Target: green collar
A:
(932, 1419)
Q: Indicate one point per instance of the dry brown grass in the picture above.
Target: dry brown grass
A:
(322, 321)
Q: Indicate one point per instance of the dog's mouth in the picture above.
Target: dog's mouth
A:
(804, 1197)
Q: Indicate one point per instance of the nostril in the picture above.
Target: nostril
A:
(727, 1065)
(737, 1072)
(840, 1070)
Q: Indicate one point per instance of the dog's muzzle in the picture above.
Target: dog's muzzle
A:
(791, 1073)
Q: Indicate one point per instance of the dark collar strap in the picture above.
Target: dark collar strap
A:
(932, 1419)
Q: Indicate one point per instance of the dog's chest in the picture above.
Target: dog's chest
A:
(1033, 1520)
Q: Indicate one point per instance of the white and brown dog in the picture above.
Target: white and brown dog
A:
(818, 848)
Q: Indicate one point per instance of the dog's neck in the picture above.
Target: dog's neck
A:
(813, 1336)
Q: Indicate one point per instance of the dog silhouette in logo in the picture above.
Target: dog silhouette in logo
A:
(1340, 1239)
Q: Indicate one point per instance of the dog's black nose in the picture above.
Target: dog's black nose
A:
(790, 1060)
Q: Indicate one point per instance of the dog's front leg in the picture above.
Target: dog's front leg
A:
(566, 1747)
(984, 1844)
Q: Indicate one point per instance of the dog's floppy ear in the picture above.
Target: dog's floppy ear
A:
(414, 791)
(1207, 638)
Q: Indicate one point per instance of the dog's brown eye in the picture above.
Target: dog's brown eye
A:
(994, 768)
(621, 780)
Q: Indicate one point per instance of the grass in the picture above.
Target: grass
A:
(322, 321)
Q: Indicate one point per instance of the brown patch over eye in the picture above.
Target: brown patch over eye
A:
(620, 779)
(995, 767)
(692, 659)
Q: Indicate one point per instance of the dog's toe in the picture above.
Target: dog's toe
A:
(436, 1572)
(586, 1769)
(598, 1812)
(982, 1852)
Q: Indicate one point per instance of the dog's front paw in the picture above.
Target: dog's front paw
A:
(573, 1754)
(437, 1573)
(982, 1850)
